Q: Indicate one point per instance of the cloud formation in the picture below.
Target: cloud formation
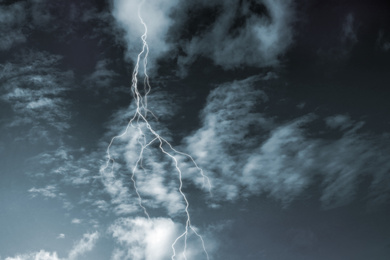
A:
(245, 152)
(156, 15)
(35, 94)
(156, 178)
(83, 246)
(244, 33)
(12, 18)
(144, 239)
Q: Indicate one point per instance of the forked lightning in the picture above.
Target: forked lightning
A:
(140, 116)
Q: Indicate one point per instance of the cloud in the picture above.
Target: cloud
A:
(76, 221)
(156, 178)
(61, 236)
(349, 29)
(244, 33)
(15, 16)
(41, 255)
(12, 18)
(102, 77)
(144, 239)
(50, 191)
(381, 42)
(224, 140)
(156, 15)
(247, 153)
(345, 42)
(83, 246)
(33, 87)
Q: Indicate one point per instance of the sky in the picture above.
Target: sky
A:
(173, 129)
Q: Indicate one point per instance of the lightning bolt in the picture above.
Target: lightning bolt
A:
(140, 117)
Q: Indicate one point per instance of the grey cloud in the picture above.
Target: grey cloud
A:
(157, 17)
(346, 40)
(224, 140)
(19, 16)
(102, 77)
(244, 33)
(281, 160)
(12, 19)
(349, 29)
(382, 42)
(338, 121)
(34, 88)
(81, 247)
(253, 33)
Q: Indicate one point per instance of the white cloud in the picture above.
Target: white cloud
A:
(156, 15)
(145, 239)
(86, 244)
(50, 191)
(157, 179)
(83, 246)
(76, 221)
(61, 236)
(41, 255)
(35, 94)
(245, 152)
(224, 141)
(242, 35)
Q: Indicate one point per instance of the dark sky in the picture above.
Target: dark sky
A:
(269, 118)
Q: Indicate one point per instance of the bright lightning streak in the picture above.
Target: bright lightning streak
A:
(140, 116)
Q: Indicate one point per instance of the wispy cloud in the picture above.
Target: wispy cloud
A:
(34, 88)
(245, 152)
(102, 77)
(346, 40)
(12, 18)
(349, 29)
(50, 191)
(383, 42)
(243, 33)
(83, 246)
(156, 178)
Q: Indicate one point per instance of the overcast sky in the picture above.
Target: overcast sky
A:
(267, 126)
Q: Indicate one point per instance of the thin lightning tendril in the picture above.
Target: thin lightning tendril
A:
(140, 115)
